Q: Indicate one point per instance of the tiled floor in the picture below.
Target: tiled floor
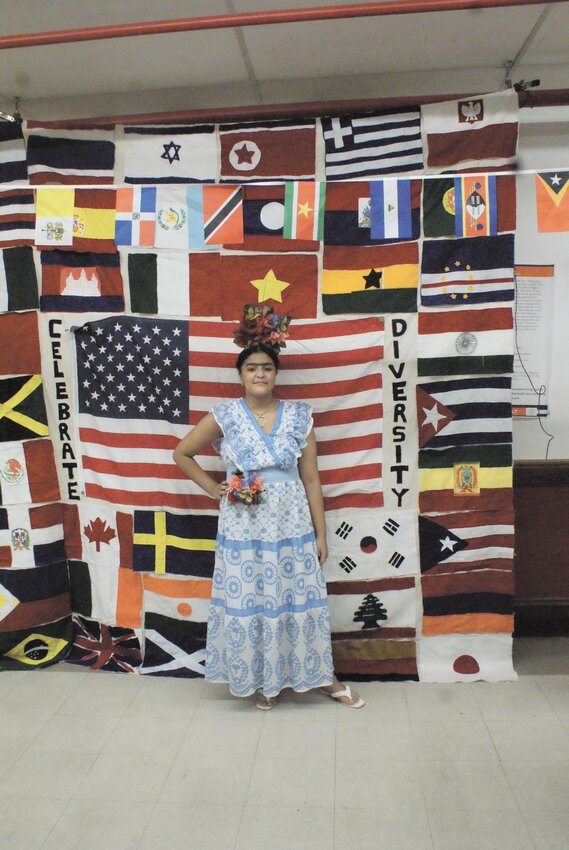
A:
(100, 761)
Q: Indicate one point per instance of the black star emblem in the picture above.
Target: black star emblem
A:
(171, 152)
(373, 279)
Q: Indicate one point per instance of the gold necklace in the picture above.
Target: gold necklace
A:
(262, 416)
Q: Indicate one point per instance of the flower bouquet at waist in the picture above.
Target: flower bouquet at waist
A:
(262, 325)
(245, 488)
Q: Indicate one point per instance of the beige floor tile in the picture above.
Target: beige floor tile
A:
(103, 693)
(438, 740)
(488, 830)
(521, 700)
(49, 776)
(283, 737)
(286, 828)
(466, 786)
(78, 734)
(191, 826)
(147, 735)
(124, 777)
(26, 822)
(549, 830)
(216, 699)
(384, 701)
(541, 787)
(537, 741)
(98, 824)
(235, 737)
(441, 702)
(365, 783)
(210, 781)
(170, 697)
(19, 728)
(282, 782)
(374, 829)
(9, 758)
(378, 739)
(309, 704)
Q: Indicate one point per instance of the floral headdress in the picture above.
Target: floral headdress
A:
(262, 326)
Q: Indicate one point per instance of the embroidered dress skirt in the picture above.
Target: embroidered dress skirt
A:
(268, 625)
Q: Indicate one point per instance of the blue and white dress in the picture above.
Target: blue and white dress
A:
(268, 624)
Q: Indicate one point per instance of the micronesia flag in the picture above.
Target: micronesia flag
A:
(391, 209)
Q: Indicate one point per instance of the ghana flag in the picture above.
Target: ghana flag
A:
(375, 279)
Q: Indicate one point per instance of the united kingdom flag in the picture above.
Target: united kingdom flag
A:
(104, 647)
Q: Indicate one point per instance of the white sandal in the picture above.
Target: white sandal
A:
(345, 692)
(264, 703)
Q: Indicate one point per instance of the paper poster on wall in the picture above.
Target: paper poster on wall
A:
(534, 330)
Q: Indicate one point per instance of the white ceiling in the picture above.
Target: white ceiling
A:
(436, 53)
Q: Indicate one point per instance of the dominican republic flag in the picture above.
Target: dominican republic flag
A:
(136, 216)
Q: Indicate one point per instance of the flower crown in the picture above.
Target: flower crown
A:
(262, 326)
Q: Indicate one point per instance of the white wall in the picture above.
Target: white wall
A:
(544, 145)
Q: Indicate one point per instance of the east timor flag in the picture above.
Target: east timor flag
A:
(375, 279)
(552, 201)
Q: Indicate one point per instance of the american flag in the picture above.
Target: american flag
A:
(142, 383)
(334, 366)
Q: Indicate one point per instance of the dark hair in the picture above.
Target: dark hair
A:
(258, 348)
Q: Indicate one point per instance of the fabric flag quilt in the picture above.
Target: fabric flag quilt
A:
(336, 368)
(466, 658)
(172, 217)
(370, 544)
(173, 647)
(12, 153)
(467, 540)
(348, 216)
(552, 201)
(99, 534)
(36, 647)
(70, 156)
(55, 211)
(281, 150)
(33, 596)
(481, 602)
(465, 272)
(184, 599)
(19, 344)
(263, 221)
(464, 411)
(135, 216)
(81, 282)
(94, 220)
(469, 205)
(390, 209)
(107, 594)
(361, 659)
(22, 408)
(221, 285)
(222, 214)
(475, 130)
(182, 544)
(28, 472)
(31, 536)
(131, 405)
(466, 342)
(168, 154)
(383, 607)
(379, 279)
(304, 210)
(17, 217)
(465, 478)
(18, 281)
(103, 647)
(158, 283)
(363, 146)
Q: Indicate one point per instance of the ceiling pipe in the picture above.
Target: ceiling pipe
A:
(254, 19)
(531, 98)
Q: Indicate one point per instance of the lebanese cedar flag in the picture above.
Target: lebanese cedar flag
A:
(473, 131)
(221, 285)
(335, 366)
